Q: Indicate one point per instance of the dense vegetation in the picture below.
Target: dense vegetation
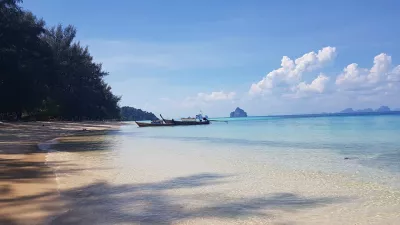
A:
(131, 114)
(45, 73)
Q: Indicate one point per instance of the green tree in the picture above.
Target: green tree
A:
(45, 72)
(79, 88)
(25, 60)
(131, 114)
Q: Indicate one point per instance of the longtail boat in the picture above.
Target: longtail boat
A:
(172, 123)
(144, 124)
(168, 123)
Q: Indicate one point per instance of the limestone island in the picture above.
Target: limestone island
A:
(238, 113)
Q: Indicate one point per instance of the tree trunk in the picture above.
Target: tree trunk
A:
(19, 116)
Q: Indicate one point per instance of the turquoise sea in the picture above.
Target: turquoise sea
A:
(255, 170)
(370, 141)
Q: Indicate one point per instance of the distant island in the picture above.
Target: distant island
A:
(367, 110)
(131, 114)
(383, 109)
(238, 113)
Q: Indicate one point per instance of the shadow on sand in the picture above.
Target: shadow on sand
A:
(23, 138)
(165, 202)
(159, 203)
(29, 171)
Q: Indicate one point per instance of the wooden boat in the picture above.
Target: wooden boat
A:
(144, 124)
(188, 123)
(167, 123)
(172, 123)
(188, 119)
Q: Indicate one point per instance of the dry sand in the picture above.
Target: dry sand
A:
(28, 191)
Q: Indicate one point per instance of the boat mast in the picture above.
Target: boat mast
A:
(163, 118)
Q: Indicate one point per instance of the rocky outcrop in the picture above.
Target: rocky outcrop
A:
(238, 113)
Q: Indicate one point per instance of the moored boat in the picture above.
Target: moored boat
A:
(188, 119)
(187, 122)
(144, 124)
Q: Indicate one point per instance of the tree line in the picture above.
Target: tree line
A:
(130, 114)
(45, 73)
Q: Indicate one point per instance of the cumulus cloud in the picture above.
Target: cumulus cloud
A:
(354, 77)
(291, 71)
(316, 86)
(394, 75)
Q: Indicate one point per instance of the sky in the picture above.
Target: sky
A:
(178, 57)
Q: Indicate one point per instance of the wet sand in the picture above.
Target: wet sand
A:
(28, 190)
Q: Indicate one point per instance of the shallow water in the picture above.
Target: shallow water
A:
(256, 171)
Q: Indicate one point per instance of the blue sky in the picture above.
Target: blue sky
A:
(268, 57)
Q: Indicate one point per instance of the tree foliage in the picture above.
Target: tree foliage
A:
(132, 114)
(46, 73)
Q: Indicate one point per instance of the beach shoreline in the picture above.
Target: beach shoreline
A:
(168, 176)
(134, 176)
(27, 183)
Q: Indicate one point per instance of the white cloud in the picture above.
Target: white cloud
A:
(291, 71)
(377, 85)
(382, 63)
(303, 89)
(216, 96)
(352, 74)
(165, 99)
(395, 74)
(316, 86)
(354, 77)
(208, 100)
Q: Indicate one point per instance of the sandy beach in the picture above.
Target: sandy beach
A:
(189, 175)
(28, 191)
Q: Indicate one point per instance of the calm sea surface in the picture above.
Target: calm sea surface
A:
(257, 170)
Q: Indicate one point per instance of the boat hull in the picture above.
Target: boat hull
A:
(141, 124)
(172, 123)
(189, 123)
